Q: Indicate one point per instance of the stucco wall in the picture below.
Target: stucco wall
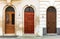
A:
(2, 4)
(44, 5)
(39, 6)
(20, 15)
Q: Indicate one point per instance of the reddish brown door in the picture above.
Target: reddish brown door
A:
(29, 22)
(9, 22)
(51, 20)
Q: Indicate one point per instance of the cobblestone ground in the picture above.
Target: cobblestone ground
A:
(31, 37)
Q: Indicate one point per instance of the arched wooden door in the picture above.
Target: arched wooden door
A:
(9, 20)
(51, 20)
(29, 20)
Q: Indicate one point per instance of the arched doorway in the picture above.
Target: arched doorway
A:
(9, 20)
(51, 20)
(29, 20)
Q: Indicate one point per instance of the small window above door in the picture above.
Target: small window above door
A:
(9, 9)
(29, 9)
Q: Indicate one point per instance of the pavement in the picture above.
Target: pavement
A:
(31, 37)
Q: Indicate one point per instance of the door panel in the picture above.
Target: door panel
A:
(51, 22)
(9, 27)
(28, 22)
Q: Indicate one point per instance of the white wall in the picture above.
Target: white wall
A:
(57, 5)
(20, 10)
(2, 4)
(43, 8)
(40, 7)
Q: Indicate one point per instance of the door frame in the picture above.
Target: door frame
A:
(47, 19)
(34, 19)
(3, 21)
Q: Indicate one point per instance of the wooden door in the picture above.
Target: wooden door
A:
(28, 22)
(9, 22)
(51, 20)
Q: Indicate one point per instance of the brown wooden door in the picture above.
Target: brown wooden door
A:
(51, 21)
(28, 22)
(10, 22)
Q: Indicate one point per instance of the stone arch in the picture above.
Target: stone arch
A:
(3, 17)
